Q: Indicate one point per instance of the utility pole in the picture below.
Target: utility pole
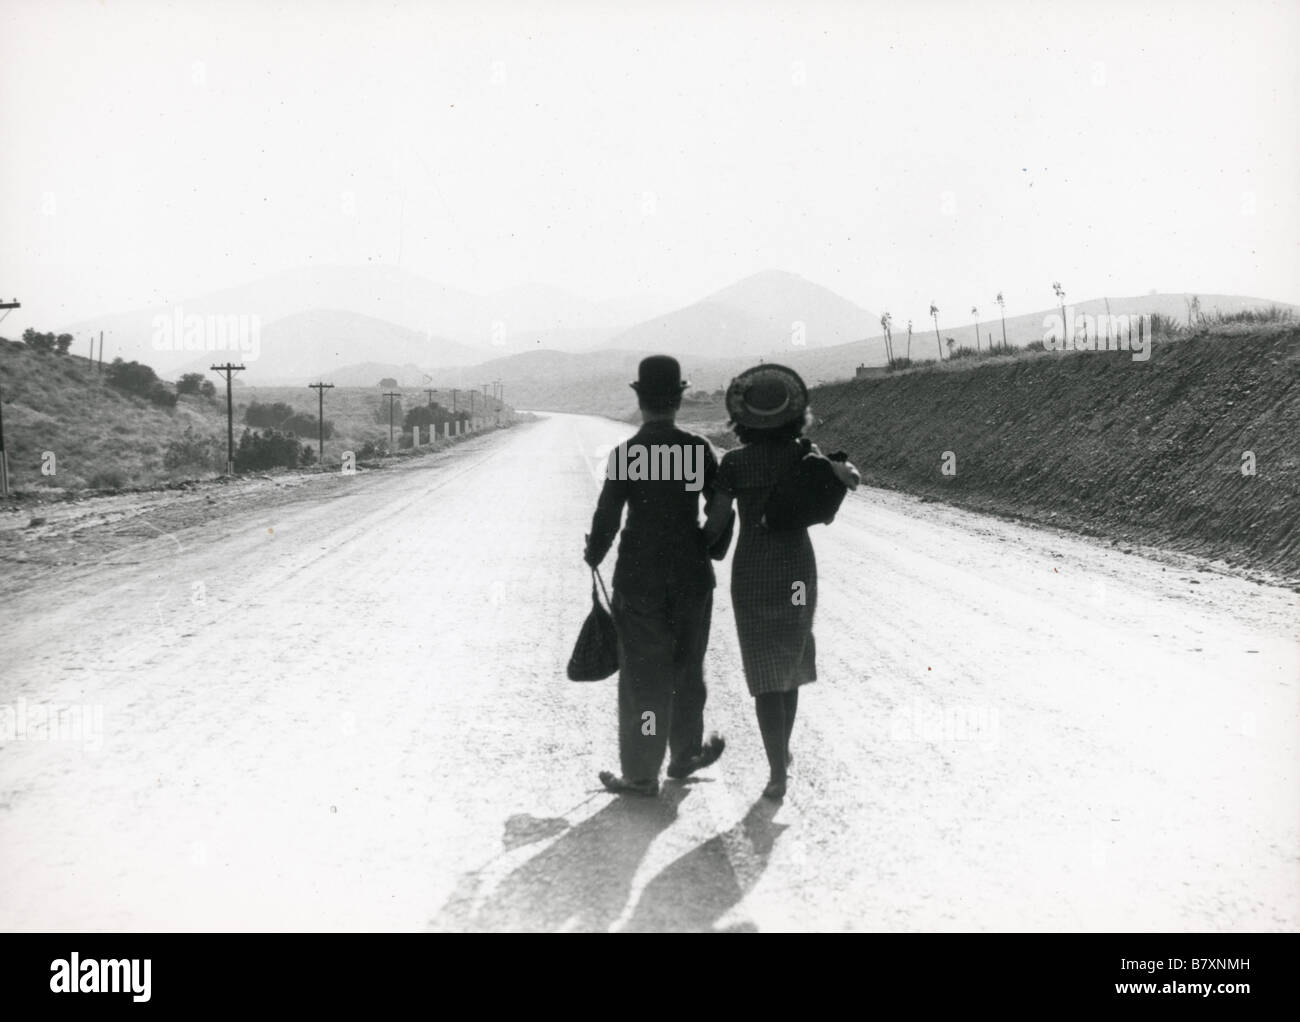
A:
(390, 394)
(101, 351)
(320, 389)
(454, 392)
(4, 455)
(430, 393)
(227, 370)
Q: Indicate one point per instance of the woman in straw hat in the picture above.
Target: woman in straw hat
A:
(774, 573)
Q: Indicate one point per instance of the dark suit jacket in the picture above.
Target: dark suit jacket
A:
(663, 546)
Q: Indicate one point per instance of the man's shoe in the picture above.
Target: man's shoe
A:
(622, 786)
(708, 755)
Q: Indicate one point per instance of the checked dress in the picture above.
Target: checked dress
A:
(774, 624)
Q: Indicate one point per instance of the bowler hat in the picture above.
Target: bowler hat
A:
(659, 376)
(767, 396)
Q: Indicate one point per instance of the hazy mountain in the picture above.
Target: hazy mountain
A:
(771, 312)
(594, 382)
(597, 381)
(308, 345)
(516, 319)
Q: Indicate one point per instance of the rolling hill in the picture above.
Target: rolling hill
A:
(766, 313)
(517, 319)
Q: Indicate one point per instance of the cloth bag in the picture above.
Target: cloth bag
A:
(809, 494)
(595, 654)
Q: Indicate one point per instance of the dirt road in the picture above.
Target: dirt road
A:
(341, 704)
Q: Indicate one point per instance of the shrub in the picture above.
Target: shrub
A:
(1036, 346)
(108, 479)
(194, 452)
(306, 425)
(1271, 314)
(190, 383)
(1165, 326)
(140, 380)
(47, 342)
(268, 416)
(270, 449)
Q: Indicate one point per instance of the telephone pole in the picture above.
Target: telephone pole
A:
(320, 389)
(4, 456)
(430, 393)
(226, 370)
(454, 392)
(390, 394)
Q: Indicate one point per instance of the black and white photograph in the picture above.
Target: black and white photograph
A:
(491, 467)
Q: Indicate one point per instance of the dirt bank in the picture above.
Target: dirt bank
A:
(1140, 452)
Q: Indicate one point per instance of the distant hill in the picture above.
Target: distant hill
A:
(306, 345)
(768, 313)
(596, 381)
(516, 319)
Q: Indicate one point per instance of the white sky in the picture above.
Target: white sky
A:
(159, 150)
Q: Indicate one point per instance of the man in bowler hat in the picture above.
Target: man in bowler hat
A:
(663, 585)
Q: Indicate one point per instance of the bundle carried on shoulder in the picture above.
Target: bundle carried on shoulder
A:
(809, 494)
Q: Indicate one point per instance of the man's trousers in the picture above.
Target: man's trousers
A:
(661, 644)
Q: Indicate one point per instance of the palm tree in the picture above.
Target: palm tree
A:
(934, 312)
(1002, 306)
(909, 340)
(1060, 297)
(976, 313)
(885, 320)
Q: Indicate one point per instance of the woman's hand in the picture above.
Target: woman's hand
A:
(846, 473)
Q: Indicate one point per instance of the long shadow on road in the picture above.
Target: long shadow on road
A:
(581, 882)
(698, 889)
(583, 879)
